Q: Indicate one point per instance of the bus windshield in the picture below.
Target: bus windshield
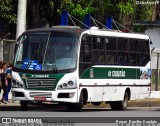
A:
(47, 51)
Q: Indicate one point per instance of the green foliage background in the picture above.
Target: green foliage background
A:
(43, 12)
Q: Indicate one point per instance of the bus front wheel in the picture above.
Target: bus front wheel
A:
(120, 105)
(24, 105)
(76, 107)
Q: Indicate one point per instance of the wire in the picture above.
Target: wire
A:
(116, 25)
(72, 20)
(94, 22)
(78, 20)
(123, 26)
(101, 23)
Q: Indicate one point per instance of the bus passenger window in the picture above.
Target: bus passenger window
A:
(144, 59)
(111, 58)
(123, 59)
(133, 45)
(86, 38)
(122, 44)
(99, 57)
(110, 43)
(85, 60)
(85, 51)
(98, 43)
(85, 55)
(134, 59)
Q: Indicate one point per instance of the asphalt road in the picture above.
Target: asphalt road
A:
(48, 111)
(91, 115)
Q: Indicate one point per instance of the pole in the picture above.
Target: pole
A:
(157, 72)
(87, 21)
(64, 18)
(21, 17)
(1, 50)
(109, 22)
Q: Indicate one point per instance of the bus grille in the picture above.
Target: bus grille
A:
(40, 83)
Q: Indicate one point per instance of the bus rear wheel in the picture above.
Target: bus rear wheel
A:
(24, 105)
(76, 107)
(120, 105)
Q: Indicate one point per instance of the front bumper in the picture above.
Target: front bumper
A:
(67, 95)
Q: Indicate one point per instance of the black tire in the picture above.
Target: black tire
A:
(76, 107)
(24, 105)
(96, 103)
(120, 105)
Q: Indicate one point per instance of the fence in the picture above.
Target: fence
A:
(7, 50)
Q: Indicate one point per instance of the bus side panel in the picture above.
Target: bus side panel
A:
(95, 92)
(138, 89)
(113, 93)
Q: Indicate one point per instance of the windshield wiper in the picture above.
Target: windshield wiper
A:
(54, 68)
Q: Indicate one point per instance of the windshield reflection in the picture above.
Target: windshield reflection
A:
(47, 51)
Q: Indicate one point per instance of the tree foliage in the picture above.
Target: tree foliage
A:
(7, 11)
(47, 12)
(78, 8)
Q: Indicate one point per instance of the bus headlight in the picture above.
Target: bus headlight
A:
(17, 81)
(68, 84)
(65, 85)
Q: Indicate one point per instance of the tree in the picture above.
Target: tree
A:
(40, 12)
(7, 11)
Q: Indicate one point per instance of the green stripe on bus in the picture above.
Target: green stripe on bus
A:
(111, 73)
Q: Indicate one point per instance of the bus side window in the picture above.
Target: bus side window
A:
(85, 51)
(123, 58)
(110, 43)
(144, 59)
(98, 50)
(98, 42)
(134, 59)
(133, 45)
(111, 57)
(123, 54)
(111, 54)
(122, 44)
(133, 54)
(144, 52)
(85, 60)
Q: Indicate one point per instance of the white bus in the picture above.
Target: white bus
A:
(77, 66)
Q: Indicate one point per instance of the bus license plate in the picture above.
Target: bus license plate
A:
(40, 98)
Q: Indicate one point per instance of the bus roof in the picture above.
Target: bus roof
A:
(76, 30)
(92, 31)
(112, 33)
